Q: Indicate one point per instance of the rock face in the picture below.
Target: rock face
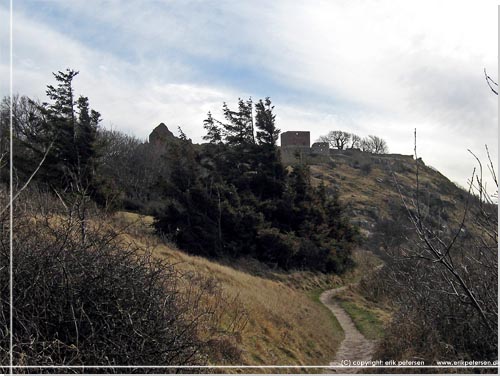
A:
(161, 135)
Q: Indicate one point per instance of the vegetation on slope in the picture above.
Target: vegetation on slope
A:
(100, 286)
(123, 286)
(229, 198)
(369, 187)
(283, 324)
(234, 198)
(439, 244)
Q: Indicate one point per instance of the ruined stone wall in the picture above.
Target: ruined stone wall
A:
(296, 138)
(320, 148)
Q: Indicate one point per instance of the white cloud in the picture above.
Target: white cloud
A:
(370, 67)
(128, 96)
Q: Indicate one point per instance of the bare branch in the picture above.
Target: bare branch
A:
(490, 82)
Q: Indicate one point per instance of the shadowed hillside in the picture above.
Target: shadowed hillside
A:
(374, 187)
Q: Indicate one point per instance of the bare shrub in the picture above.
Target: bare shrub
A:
(442, 281)
(88, 298)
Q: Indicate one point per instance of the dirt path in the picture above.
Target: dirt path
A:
(355, 345)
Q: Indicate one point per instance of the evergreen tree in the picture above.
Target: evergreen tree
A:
(239, 130)
(86, 132)
(214, 133)
(62, 95)
(182, 135)
(238, 200)
(267, 133)
(62, 161)
(65, 130)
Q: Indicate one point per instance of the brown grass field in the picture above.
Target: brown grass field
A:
(286, 323)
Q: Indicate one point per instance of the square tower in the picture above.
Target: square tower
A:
(296, 139)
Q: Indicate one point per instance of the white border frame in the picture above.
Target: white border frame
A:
(11, 322)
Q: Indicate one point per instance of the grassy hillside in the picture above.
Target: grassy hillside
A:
(457, 242)
(284, 323)
(370, 186)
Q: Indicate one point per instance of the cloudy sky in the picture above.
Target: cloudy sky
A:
(369, 67)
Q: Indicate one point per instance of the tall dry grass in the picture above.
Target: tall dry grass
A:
(285, 326)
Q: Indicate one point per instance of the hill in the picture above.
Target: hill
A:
(439, 244)
(262, 238)
(238, 311)
(374, 187)
(284, 321)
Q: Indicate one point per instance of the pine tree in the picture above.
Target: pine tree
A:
(214, 133)
(182, 135)
(62, 95)
(267, 133)
(69, 127)
(239, 130)
(86, 131)
(61, 130)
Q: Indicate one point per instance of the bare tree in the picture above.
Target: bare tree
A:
(337, 139)
(355, 141)
(379, 145)
(365, 145)
(443, 276)
(374, 144)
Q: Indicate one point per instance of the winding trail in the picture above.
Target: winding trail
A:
(355, 345)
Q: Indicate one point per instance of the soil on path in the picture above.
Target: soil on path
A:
(355, 346)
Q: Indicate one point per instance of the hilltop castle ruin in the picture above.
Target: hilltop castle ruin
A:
(299, 142)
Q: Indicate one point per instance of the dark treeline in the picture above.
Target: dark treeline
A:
(230, 197)
(233, 197)
(80, 293)
(55, 142)
(343, 140)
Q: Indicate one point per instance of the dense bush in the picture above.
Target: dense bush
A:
(216, 199)
(83, 296)
(238, 200)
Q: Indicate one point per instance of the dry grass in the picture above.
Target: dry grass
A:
(285, 325)
(369, 196)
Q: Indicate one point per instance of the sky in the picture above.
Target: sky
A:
(364, 66)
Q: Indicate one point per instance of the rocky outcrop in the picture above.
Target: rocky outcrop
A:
(161, 135)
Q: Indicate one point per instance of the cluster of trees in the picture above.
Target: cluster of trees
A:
(229, 197)
(56, 142)
(61, 147)
(233, 197)
(81, 294)
(342, 140)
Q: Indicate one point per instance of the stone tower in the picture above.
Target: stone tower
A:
(296, 139)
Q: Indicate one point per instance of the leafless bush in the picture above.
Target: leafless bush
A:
(442, 281)
(85, 297)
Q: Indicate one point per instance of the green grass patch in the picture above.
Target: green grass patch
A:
(339, 332)
(365, 320)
